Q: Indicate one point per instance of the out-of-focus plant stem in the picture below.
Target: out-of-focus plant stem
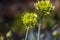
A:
(38, 36)
(55, 39)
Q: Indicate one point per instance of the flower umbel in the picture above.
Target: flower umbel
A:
(45, 7)
(30, 19)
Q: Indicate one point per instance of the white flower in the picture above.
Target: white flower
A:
(35, 15)
(53, 7)
(48, 13)
(35, 5)
(42, 1)
(47, 1)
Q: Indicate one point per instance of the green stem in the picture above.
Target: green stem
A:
(38, 37)
(27, 29)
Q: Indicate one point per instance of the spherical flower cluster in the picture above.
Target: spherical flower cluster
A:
(45, 7)
(30, 19)
(9, 34)
(56, 34)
